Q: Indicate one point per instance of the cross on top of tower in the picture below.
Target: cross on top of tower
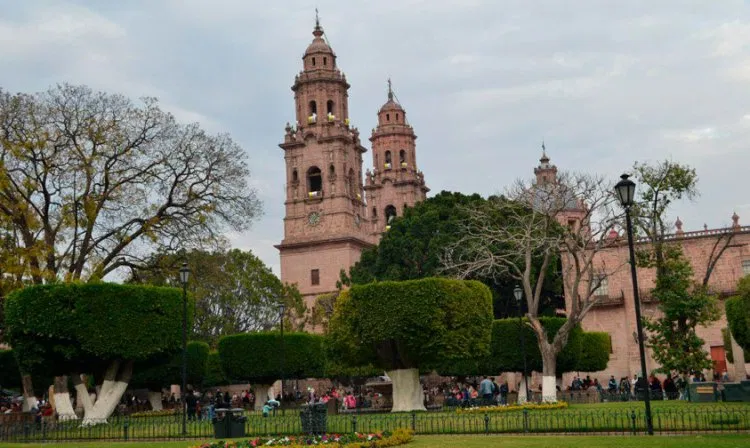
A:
(318, 31)
(390, 90)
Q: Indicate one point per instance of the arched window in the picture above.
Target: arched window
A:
(331, 172)
(387, 157)
(329, 107)
(402, 156)
(387, 117)
(396, 116)
(314, 180)
(295, 176)
(313, 61)
(313, 108)
(374, 212)
(390, 214)
(325, 60)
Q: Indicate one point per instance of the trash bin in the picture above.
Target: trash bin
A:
(702, 392)
(229, 423)
(314, 418)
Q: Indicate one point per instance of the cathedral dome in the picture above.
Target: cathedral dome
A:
(391, 106)
(318, 46)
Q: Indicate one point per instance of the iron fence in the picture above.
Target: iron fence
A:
(717, 419)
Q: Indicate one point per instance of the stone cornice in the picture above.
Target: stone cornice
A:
(318, 242)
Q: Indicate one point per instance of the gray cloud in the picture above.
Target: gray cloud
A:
(483, 82)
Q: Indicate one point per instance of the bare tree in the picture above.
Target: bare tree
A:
(523, 231)
(90, 182)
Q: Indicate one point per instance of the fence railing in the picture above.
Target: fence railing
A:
(718, 418)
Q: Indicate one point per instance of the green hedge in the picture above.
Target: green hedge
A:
(59, 327)
(214, 373)
(507, 355)
(595, 350)
(165, 370)
(257, 357)
(417, 323)
(738, 313)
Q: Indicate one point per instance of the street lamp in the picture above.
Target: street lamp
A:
(625, 190)
(282, 310)
(518, 293)
(184, 276)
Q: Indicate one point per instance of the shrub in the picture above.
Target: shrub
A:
(595, 350)
(256, 357)
(214, 373)
(10, 376)
(412, 324)
(63, 327)
(728, 346)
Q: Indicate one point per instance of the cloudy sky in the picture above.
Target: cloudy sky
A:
(604, 83)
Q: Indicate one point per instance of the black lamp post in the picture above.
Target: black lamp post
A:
(518, 293)
(625, 190)
(184, 275)
(282, 310)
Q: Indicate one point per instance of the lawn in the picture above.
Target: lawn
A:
(713, 441)
(618, 418)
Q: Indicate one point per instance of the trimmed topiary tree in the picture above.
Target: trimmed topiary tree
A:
(214, 373)
(96, 328)
(595, 350)
(403, 327)
(738, 313)
(163, 371)
(256, 358)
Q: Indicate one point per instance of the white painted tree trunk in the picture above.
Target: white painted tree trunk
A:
(29, 399)
(63, 405)
(739, 360)
(549, 389)
(522, 397)
(154, 399)
(115, 383)
(407, 391)
(262, 392)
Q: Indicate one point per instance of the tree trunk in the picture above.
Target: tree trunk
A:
(154, 399)
(63, 405)
(549, 365)
(407, 391)
(739, 360)
(522, 397)
(83, 399)
(115, 383)
(29, 399)
(262, 392)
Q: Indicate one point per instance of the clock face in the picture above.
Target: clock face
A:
(313, 218)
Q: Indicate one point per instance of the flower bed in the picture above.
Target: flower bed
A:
(355, 440)
(514, 407)
(160, 413)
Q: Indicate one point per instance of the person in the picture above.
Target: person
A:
(270, 406)
(681, 382)
(612, 385)
(191, 401)
(485, 389)
(350, 401)
(504, 393)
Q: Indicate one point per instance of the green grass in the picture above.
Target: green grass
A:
(476, 441)
(671, 416)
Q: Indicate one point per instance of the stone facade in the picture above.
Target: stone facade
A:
(615, 313)
(327, 222)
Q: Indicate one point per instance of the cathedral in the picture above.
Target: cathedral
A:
(331, 213)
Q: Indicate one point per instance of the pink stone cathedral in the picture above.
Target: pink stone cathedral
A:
(331, 216)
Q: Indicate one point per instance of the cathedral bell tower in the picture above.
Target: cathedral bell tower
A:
(395, 182)
(324, 225)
